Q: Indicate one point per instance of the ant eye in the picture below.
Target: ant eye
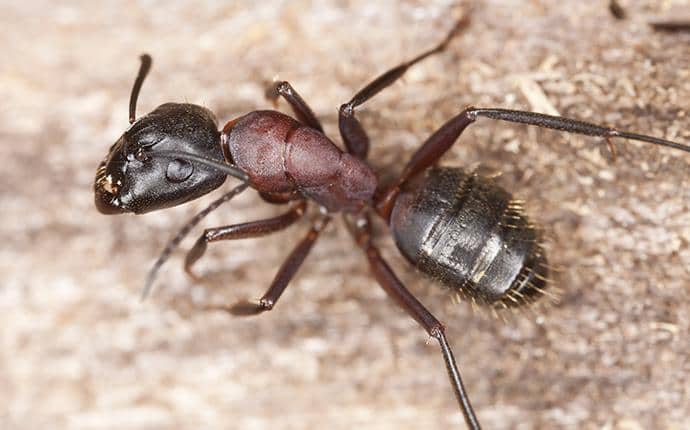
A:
(179, 170)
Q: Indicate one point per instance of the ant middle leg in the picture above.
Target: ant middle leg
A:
(351, 130)
(285, 274)
(242, 231)
(442, 139)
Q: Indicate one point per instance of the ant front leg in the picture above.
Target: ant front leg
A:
(396, 290)
(242, 231)
(443, 138)
(351, 130)
(302, 110)
(283, 277)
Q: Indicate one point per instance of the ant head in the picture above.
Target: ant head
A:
(136, 176)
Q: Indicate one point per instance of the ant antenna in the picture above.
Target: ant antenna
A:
(143, 71)
(228, 169)
(175, 241)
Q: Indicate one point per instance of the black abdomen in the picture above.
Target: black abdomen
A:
(470, 235)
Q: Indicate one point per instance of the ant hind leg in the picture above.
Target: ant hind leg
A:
(361, 231)
(442, 139)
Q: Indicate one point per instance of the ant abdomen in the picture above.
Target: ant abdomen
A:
(471, 236)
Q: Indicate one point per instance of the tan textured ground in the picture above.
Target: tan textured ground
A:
(79, 351)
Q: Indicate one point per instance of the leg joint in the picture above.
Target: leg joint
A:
(347, 109)
(266, 304)
(284, 88)
(437, 331)
(209, 235)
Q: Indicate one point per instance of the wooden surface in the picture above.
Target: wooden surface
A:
(80, 351)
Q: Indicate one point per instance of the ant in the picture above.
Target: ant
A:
(460, 228)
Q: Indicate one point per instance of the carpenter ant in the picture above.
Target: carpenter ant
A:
(459, 228)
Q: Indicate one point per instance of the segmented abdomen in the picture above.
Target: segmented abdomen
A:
(470, 235)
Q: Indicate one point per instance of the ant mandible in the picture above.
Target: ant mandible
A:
(459, 228)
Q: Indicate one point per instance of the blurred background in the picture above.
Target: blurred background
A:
(80, 351)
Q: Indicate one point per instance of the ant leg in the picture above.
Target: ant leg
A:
(285, 274)
(401, 295)
(302, 110)
(242, 231)
(351, 130)
(443, 138)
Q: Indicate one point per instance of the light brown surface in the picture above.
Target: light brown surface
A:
(79, 351)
